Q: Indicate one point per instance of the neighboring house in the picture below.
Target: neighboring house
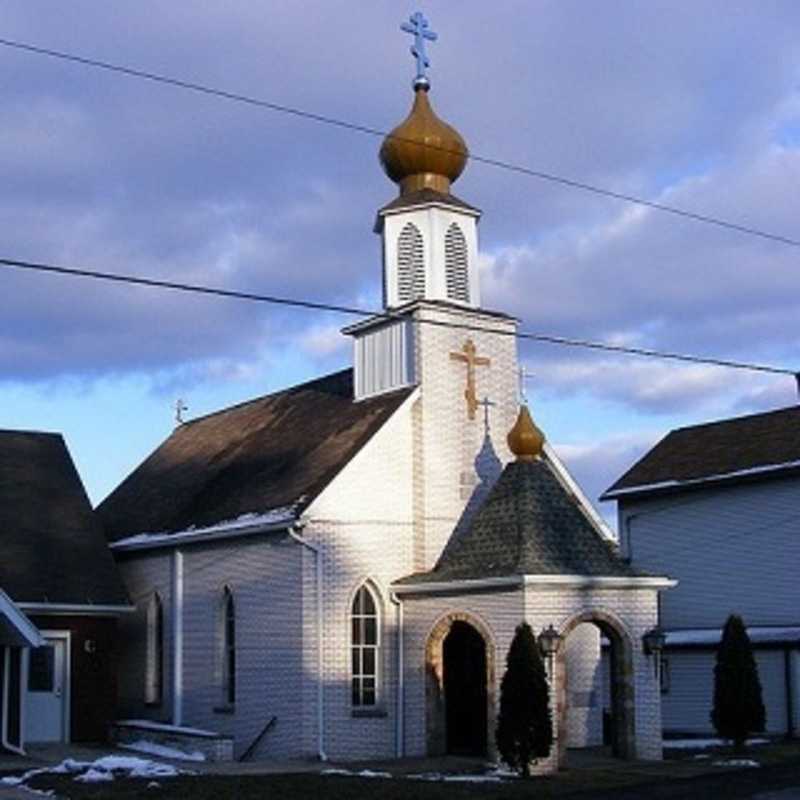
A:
(338, 568)
(717, 506)
(60, 601)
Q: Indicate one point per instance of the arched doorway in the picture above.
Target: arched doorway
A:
(459, 692)
(464, 658)
(595, 693)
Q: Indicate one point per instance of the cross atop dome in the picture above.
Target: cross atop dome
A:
(418, 27)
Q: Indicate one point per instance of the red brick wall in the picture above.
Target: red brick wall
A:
(93, 684)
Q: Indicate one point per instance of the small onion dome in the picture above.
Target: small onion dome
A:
(423, 152)
(525, 440)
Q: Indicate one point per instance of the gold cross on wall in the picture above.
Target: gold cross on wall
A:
(468, 355)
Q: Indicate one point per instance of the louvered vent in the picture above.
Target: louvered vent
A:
(410, 264)
(455, 264)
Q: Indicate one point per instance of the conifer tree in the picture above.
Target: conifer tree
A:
(525, 726)
(738, 705)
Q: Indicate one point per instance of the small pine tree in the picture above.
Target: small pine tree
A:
(525, 726)
(738, 706)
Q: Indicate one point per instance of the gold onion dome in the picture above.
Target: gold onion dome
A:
(525, 440)
(423, 152)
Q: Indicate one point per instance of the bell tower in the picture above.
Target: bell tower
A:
(433, 332)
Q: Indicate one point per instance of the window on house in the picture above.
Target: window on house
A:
(365, 648)
(410, 264)
(228, 647)
(455, 264)
(154, 669)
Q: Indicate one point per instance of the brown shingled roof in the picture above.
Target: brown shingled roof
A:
(52, 545)
(279, 450)
(724, 450)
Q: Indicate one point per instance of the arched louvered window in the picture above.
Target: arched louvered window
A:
(410, 264)
(455, 264)
(365, 647)
(154, 663)
(228, 647)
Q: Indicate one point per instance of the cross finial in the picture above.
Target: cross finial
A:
(417, 26)
(180, 407)
(523, 376)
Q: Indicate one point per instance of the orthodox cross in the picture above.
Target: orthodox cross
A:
(486, 403)
(523, 376)
(468, 354)
(180, 407)
(417, 26)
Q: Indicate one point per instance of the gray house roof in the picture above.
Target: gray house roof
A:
(529, 525)
(275, 451)
(742, 448)
(52, 544)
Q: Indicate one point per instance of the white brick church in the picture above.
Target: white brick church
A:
(337, 569)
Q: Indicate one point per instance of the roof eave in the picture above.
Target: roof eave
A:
(659, 487)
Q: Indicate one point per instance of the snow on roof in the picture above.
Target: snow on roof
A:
(763, 634)
(252, 522)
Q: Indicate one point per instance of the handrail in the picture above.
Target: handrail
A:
(251, 749)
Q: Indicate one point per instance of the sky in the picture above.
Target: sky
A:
(695, 105)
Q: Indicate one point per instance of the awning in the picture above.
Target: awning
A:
(16, 630)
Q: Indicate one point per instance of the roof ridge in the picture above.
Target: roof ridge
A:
(741, 417)
(266, 396)
(29, 432)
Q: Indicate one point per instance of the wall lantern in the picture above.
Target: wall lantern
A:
(549, 640)
(653, 641)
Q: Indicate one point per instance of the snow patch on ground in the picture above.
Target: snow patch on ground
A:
(100, 770)
(162, 751)
(736, 762)
(364, 773)
(163, 726)
(702, 744)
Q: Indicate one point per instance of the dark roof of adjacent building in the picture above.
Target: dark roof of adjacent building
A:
(529, 525)
(731, 449)
(52, 544)
(279, 450)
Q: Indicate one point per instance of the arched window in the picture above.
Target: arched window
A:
(410, 264)
(228, 647)
(365, 648)
(455, 264)
(154, 664)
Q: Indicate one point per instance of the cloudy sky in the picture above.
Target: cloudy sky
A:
(695, 105)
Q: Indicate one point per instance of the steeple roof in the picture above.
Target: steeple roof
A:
(529, 525)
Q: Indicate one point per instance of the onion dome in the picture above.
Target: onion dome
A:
(525, 440)
(423, 152)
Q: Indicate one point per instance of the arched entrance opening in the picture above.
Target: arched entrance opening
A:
(464, 657)
(595, 695)
(460, 696)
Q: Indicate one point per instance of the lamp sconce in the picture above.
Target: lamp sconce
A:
(549, 641)
(653, 641)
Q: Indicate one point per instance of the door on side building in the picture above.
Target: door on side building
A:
(47, 697)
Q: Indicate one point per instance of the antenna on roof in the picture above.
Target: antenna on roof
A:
(180, 407)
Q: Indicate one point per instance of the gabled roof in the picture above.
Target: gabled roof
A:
(529, 525)
(731, 449)
(52, 544)
(275, 451)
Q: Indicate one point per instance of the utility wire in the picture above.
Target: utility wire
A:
(157, 283)
(365, 129)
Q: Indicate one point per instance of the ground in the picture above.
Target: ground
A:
(683, 776)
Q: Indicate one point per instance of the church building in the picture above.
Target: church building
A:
(337, 569)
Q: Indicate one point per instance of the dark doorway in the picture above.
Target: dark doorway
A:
(464, 656)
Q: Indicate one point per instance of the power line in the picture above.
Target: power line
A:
(205, 89)
(567, 341)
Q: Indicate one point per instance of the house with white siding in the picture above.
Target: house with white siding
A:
(337, 569)
(717, 506)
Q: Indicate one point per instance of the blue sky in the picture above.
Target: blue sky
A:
(695, 105)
